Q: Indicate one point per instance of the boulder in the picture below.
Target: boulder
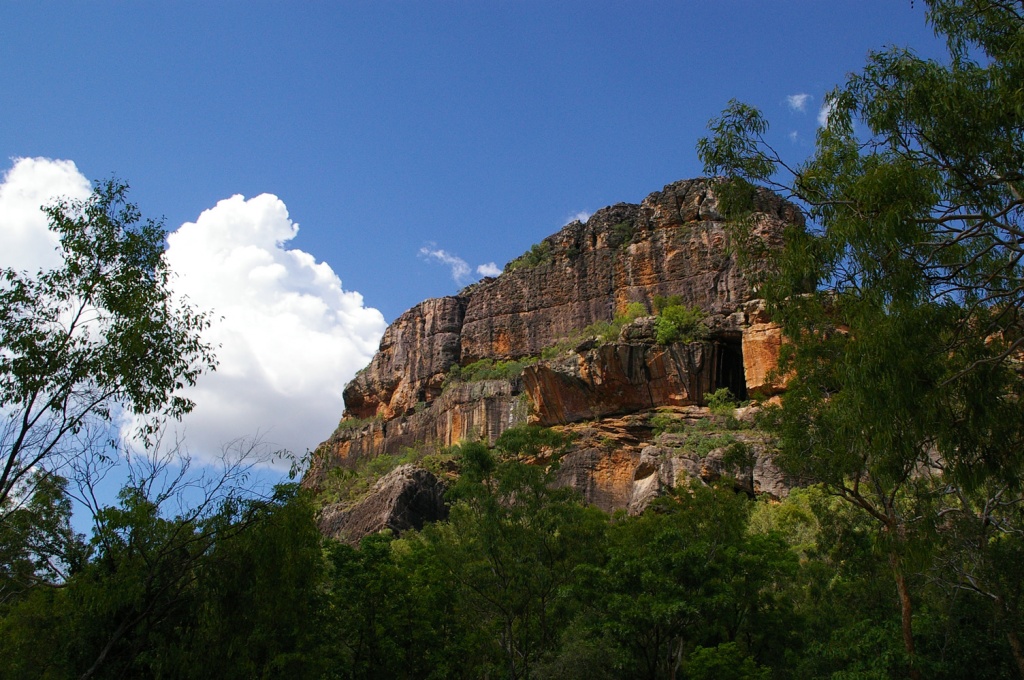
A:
(405, 498)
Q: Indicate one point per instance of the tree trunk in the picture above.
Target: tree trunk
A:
(906, 613)
(1017, 650)
(1004, 618)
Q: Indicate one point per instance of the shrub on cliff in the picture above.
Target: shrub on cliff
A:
(604, 331)
(487, 369)
(680, 323)
(536, 255)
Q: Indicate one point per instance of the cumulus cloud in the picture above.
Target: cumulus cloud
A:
(26, 243)
(489, 269)
(825, 112)
(798, 102)
(581, 216)
(289, 335)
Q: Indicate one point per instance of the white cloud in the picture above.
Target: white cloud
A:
(461, 271)
(489, 269)
(825, 112)
(581, 216)
(290, 336)
(793, 136)
(798, 102)
(26, 243)
(460, 268)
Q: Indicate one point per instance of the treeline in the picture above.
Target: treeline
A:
(523, 581)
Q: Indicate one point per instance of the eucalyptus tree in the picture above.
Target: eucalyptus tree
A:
(901, 301)
(100, 334)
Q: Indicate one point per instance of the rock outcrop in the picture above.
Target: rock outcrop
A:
(464, 411)
(674, 243)
(405, 498)
(415, 353)
(621, 463)
(761, 345)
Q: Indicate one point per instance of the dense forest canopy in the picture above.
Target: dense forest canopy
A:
(902, 556)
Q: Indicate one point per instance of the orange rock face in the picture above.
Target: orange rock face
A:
(415, 352)
(674, 243)
(761, 346)
(464, 412)
(618, 378)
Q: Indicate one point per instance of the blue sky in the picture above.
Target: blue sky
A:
(390, 130)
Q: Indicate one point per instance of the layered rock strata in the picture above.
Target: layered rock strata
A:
(463, 412)
(675, 243)
(620, 463)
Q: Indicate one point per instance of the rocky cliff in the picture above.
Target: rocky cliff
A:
(539, 312)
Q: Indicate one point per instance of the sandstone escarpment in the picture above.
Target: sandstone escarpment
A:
(410, 364)
(463, 412)
(674, 243)
(598, 379)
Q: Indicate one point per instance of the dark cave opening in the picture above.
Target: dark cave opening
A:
(729, 367)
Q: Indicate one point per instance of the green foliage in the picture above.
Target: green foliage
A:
(680, 323)
(390, 614)
(721, 402)
(260, 582)
(702, 443)
(354, 424)
(522, 581)
(37, 543)
(735, 147)
(662, 422)
(793, 519)
(737, 198)
(103, 331)
(604, 331)
(530, 441)
(622, 233)
(914, 195)
(488, 369)
(510, 549)
(687, 575)
(556, 350)
(634, 310)
(176, 596)
(538, 254)
(726, 661)
(662, 302)
(352, 484)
